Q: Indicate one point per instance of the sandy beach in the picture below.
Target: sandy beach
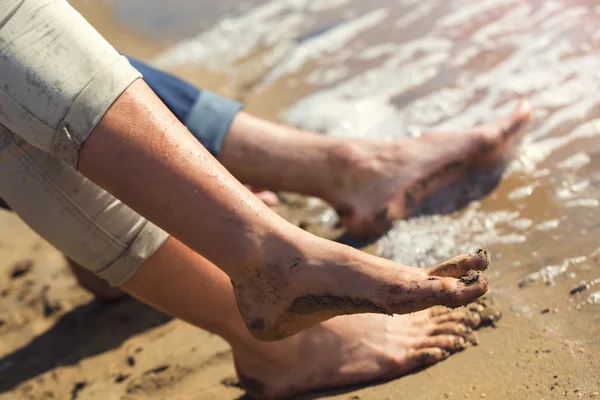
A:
(366, 69)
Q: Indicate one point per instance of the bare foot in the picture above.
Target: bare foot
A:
(353, 349)
(333, 280)
(386, 181)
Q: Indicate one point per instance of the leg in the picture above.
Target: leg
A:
(99, 232)
(340, 171)
(286, 279)
(80, 219)
(369, 182)
(190, 106)
(111, 126)
(207, 115)
(343, 351)
(95, 229)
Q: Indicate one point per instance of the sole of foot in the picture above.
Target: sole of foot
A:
(282, 302)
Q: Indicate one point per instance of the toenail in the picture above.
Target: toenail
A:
(485, 256)
(471, 278)
(475, 307)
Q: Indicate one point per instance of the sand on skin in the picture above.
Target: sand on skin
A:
(56, 342)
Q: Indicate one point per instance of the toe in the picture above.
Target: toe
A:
(476, 307)
(269, 198)
(450, 328)
(488, 313)
(459, 292)
(266, 196)
(432, 291)
(459, 266)
(490, 316)
(450, 343)
(438, 311)
(424, 357)
(466, 317)
(426, 317)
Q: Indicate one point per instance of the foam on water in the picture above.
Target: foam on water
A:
(381, 69)
(266, 25)
(426, 240)
(576, 161)
(333, 41)
(548, 274)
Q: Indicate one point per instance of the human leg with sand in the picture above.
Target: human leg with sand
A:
(114, 129)
(369, 182)
(388, 347)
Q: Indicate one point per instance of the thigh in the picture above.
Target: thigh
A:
(76, 216)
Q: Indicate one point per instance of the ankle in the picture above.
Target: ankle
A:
(351, 161)
(275, 301)
(260, 371)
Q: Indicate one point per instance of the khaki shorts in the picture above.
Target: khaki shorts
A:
(58, 77)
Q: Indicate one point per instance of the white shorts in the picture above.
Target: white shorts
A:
(58, 77)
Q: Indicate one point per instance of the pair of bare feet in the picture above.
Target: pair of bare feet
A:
(384, 181)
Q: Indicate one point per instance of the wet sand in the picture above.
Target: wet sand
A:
(367, 71)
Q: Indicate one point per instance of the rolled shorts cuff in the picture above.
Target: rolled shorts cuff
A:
(210, 118)
(89, 108)
(150, 239)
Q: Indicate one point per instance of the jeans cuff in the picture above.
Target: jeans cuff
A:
(210, 118)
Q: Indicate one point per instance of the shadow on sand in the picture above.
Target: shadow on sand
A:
(88, 330)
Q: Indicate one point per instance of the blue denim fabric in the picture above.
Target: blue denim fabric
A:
(206, 114)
